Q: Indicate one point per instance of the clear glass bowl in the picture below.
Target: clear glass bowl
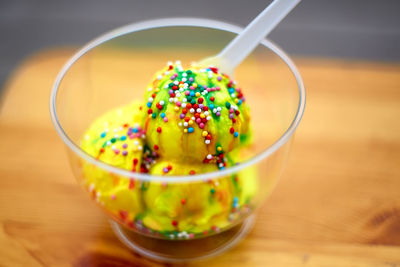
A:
(115, 69)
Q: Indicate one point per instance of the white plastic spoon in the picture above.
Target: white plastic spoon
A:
(240, 47)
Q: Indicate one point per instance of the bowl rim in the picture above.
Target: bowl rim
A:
(176, 22)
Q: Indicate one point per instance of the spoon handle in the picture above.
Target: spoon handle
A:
(239, 48)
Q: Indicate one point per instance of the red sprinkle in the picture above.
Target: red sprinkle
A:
(192, 172)
(200, 100)
(155, 147)
(189, 106)
(212, 98)
(170, 67)
(174, 87)
(172, 94)
(169, 167)
(214, 69)
(174, 223)
(183, 201)
(184, 110)
(159, 130)
(101, 150)
(195, 106)
(205, 108)
(153, 95)
(131, 184)
(231, 130)
(149, 111)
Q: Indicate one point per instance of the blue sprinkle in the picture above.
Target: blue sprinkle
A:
(240, 102)
(103, 134)
(211, 106)
(190, 130)
(191, 93)
(236, 134)
(148, 104)
(135, 130)
(123, 138)
(231, 90)
(235, 200)
(162, 115)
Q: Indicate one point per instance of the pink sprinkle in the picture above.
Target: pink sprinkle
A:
(187, 93)
(231, 110)
(219, 78)
(191, 79)
(178, 103)
(116, 151)
(165, 119)
(198, 120)
(201, 125)
(191, 235)
(218, 88)
(231, 116)
(191, 87)
(113, 197)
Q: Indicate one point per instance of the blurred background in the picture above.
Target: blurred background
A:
(352, 29)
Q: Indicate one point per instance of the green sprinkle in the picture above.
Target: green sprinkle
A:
(113, 140)
(212, 190)
(154, 115)
(227, 105)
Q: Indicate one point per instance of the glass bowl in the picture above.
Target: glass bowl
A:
(186, 217)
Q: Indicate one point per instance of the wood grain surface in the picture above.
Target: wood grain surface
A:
(337, 204)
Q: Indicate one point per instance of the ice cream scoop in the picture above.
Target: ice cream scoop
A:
(194, 114)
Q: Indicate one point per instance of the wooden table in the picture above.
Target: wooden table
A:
(342, 209)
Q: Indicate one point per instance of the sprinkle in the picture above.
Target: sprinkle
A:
(209, 156)
(125, 145)
(155, 147)
(191, 110)
(227, 105)
(219, 149)
(149, 111)
(154, 115)
(212, 98)
(236, 134)
(162, 115)
(103, 134)
(201, 125)
(197, 94)
(219, 78)
(113, 140)
(200, 100)
(192, 172)
(212, 191)
(124, 152)
(183, 201)
(204, 133)
(174, 223)
(208, 118)
(166, 119)
(190, 129)
(218, 113)
(123, 138)
(159, 130)
(231, 130)
(207, 142)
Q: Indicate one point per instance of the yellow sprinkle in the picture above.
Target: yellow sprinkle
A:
(181, 85)
(150, 116)
(236, 100)
(185, 130)
(157, 90)
(190, 122)
(197, 94)
(176, 108)
(204, 133)
(219, 148)
(202, 116)
(194, 85)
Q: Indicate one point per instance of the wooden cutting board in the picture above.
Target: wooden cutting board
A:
(337, 204)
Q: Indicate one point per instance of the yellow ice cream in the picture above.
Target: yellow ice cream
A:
(191, 122)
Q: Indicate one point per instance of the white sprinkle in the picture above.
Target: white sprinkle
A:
(216, 183)
(198, 110)
(116, 136)
(206, 113)
(184, 100)
(87, 137)
(162, 102)
(214, 110)
(140, 147)
(184, 79)
(169, 63)
(176, 82)
(166, 86)
(209, 156)
(184, 74)
(115, 130)
(149, 89)
(113, 147)
(159, 77)
(178, 62)
(193, 118)
(178, 95)
(208, 118)
(108, 143)
(151, 99)
(170, 100)
(207, 142)
(184, 104)
(166, 73)
(219, 108)
(180, 124)
(175, 100)
(136, 142)
(191, 110)
(185, 124)
(233, 95)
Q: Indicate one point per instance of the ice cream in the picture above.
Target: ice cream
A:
(192, 121)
